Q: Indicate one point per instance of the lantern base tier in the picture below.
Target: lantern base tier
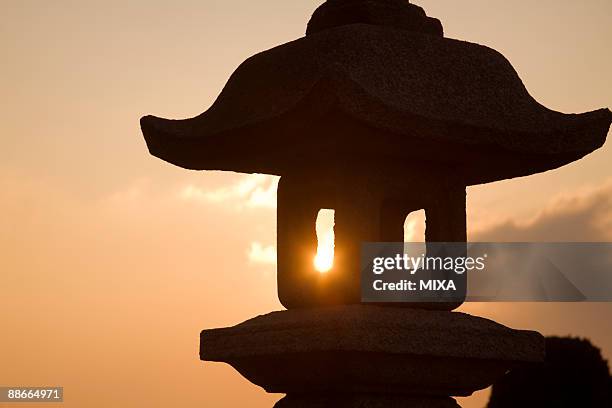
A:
(363, 401)
(371, 349)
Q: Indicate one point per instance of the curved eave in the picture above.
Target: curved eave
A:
(399, 92)
(256, 148)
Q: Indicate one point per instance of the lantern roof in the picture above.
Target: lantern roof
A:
(374, 81)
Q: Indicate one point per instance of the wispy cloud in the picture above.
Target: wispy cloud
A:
(580, 217)
(253, 190)
(260, 254)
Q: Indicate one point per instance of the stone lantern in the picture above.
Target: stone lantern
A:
(374, 113)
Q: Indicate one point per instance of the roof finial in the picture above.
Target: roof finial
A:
(391, 13)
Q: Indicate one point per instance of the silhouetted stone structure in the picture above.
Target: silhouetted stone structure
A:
(374, 113)
(406, 356)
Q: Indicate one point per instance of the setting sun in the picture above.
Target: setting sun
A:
(324, 259)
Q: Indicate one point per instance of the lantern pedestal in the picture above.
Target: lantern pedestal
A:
(363, 401)
(370, 356)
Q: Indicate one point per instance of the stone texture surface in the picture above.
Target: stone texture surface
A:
(363, 401)
(369, 349)
(374, 93)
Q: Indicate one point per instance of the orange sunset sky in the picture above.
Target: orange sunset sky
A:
(113, 261)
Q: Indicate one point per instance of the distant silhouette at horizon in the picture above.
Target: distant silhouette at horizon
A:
(574, 374)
